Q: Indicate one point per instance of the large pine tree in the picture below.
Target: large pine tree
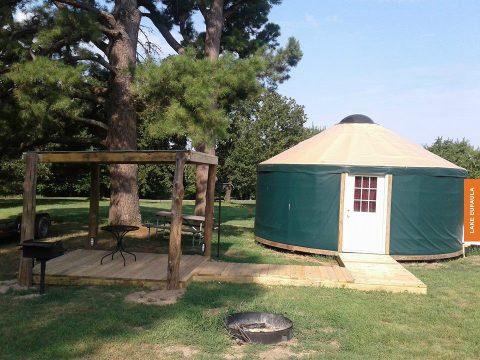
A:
(69, 75)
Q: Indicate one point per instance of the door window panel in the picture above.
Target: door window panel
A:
(365, 194)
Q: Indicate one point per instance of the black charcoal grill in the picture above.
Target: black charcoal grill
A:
(42, 251)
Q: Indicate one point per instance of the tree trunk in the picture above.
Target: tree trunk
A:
(201, 181)
(27, 230)
(228, 192)
(122, 134)
(214, 26)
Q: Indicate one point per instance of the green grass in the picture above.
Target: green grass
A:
(95, 322)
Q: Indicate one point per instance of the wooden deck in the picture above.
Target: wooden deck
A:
(296, 275)
(358, 271)
(380, 273)
(82, 267)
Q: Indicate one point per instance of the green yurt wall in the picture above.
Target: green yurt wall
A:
(299, 192)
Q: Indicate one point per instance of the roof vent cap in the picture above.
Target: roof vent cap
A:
(357, 119)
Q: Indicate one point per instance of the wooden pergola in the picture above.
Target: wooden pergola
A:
(95, 158)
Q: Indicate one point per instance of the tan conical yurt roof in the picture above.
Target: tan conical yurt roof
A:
(358, 141)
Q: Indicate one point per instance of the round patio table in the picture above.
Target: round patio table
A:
(118, 232)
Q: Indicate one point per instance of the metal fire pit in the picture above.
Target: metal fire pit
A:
(265, 328)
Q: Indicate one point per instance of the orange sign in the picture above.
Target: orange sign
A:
(471, 210)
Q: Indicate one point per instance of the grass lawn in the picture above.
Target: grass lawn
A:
(95, 322)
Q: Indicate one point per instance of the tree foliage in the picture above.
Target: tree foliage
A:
(459, 152)
(260, 128)
(190, 97)
(46, 84)
(246, 29)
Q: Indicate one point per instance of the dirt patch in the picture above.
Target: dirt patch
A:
(237, 351)
(334, 344)
(185, 351)
(10, 285)
(328, 330)
(284, 350)
(157, 297)
(281, 352)
(131, 351)
(137, 328)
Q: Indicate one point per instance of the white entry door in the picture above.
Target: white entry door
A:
(364, 214)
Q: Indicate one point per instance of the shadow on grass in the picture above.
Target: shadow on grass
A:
(77, 322)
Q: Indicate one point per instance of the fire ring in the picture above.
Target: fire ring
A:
(258, 327)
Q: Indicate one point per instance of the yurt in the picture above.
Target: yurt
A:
(358, 187)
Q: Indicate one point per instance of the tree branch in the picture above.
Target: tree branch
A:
(156, 18)
(87, 7)
(110, 32)
(81, 119)
(149, 47)
(95, 58)
(101, 45)
(89, 121)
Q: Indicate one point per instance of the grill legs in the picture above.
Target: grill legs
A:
(42, 276)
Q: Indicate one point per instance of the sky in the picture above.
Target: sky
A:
(413, 66)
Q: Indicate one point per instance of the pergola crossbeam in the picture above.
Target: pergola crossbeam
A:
(124, 157)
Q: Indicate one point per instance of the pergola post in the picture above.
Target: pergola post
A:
(175, 248)
(27, 231)
(94, 203)
(212, 171)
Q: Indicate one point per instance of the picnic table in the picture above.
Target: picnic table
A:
(193, 224)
